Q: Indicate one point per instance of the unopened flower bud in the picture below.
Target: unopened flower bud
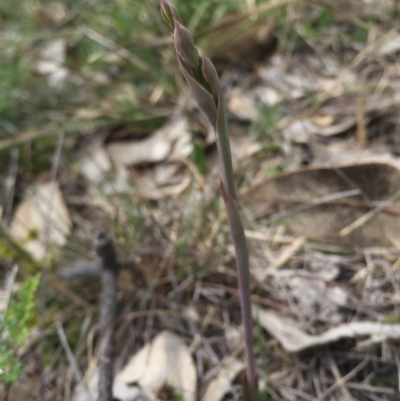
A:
(170, 14)
(184, 44)
(210, 74)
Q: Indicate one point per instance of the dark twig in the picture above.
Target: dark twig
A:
(106, 267)
(82, 270)
(109, 268)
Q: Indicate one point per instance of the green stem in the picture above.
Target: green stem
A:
(242, 264)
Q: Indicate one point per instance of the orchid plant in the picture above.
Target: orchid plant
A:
(204, 83)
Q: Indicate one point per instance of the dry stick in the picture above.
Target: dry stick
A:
(107, 268)
(70, 356)
(368, 216)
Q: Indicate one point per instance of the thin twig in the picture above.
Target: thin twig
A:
(315, 202)
(70, 356)
(109, 268)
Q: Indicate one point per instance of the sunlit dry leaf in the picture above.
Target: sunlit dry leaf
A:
(268, 95)
(164, 361)
(350, 152)
(319, 202)
(7, 281)
(51, 62)
(87, 389)
(52, 55)
(323, 120)
(41, 220)
(293, 339)
(390, 47)
(341, 115)
(164, 173)
(173, 138)
(223, 382)
(88, 114)
(242, 105)
(233, 336)
(298, 131)
(311, 288)
(243, 146)
(292, 84)
(95, 162)
(316, 299)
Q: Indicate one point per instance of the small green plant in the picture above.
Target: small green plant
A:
(19, 319)
(203, 80)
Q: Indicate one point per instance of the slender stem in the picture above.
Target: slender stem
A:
(242, 264)
(224, 148)
(203, 80)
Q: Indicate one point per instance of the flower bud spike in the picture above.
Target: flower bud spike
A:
(170, 13)
(210, 74)
(203, 97)
(204, 83)
(184, 44)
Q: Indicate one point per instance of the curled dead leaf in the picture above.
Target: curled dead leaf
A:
(293, 339)
(173, 138)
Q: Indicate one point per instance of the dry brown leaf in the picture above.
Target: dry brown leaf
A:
(240, 39)
(319, 202)
(41, 220)
(24, 389)
(293, 339)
